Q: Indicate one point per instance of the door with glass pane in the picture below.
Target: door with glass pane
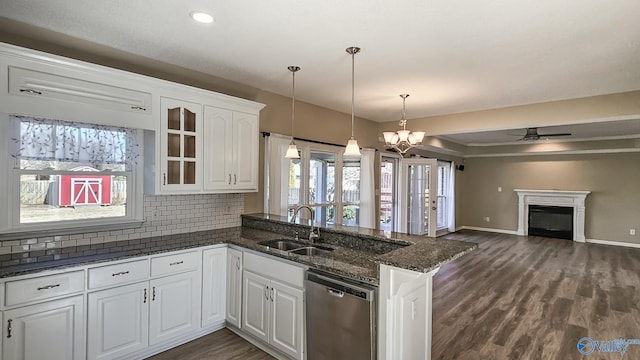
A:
(180, 145)
(418, 196)
(444, 197)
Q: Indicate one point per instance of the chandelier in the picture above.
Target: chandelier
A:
(403, 140)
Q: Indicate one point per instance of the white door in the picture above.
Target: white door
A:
(255, 305)
(218, 130)
(118, 321)
(286, 319)
(214, 286)
(175, 306)
(418, 196)
(245, 151)
(234, 287)
(49, 331)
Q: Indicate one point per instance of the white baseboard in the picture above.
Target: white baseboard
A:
(613, 243)
(501, 231)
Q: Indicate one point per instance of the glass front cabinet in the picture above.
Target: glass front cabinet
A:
(180, 146)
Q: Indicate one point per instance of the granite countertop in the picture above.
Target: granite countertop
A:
(356, 252)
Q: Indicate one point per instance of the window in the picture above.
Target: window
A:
(444, 184)
(388, 192)
(66, 174)
(326, 175)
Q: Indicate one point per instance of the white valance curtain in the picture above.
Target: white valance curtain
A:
(57, 140)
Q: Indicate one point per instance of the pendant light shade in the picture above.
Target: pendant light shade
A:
(352, 145)
(292, 150)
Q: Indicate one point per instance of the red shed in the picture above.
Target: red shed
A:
(83, 189)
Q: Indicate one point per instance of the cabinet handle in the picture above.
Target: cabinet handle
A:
(266, 293)
(229, 179)
(138, 108)
(272, 294)
(153, 296)
(164, 178)
(48, 287)
(177, 263)
(235, 179)
(31, 91)
(237, 263)
(145, 296)
(9, 328)
(118, 273)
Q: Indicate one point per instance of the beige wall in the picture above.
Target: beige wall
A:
(611, 209)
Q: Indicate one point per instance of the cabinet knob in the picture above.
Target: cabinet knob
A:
(145, 296)
(229, 179)
(271, 294)
(153, 295)
(237, 263)
(266, 293)
(235, 179)
(9, 328)
(164, 178)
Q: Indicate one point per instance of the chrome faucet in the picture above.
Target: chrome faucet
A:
(314, 232)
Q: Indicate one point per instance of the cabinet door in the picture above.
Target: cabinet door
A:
(256, 305)
(214, 285)
(286, 319)
(234, 287)
(118, 321)
(47, 331)
(245, 151)
(175, 306)
(180, 145)
(218, 130)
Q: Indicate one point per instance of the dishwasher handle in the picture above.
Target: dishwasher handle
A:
(336, 293)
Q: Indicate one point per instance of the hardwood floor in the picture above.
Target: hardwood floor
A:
(534, 298)
(512, 298)
(220, 345)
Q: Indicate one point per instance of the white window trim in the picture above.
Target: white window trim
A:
(10, 227)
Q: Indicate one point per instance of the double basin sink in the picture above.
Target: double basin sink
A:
(297, 247)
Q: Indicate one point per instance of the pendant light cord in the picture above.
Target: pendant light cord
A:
(293, 102)
(353, 60)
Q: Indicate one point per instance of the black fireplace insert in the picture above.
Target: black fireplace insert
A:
(551, 221)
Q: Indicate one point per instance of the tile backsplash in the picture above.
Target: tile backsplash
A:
(174, 214)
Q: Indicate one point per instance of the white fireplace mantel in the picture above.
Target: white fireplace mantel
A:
(574, 199)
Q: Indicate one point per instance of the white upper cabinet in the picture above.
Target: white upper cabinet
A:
(231, 150)
(180, 146)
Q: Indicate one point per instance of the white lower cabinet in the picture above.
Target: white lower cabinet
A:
(175, 306)
(48, 331)
(234, 288)
(214, 285)
(118, 321)
(272, 312)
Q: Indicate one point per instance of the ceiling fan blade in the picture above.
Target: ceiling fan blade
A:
(556, 134)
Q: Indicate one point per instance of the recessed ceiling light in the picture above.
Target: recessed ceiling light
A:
(201, 17)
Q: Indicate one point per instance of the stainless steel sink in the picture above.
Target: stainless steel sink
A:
(285, 244)
(311, 251)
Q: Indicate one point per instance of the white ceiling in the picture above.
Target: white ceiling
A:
(611, 130)
(451, 56)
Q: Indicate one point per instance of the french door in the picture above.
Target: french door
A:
(418, 202)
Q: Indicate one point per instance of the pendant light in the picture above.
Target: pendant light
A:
(292, 150)
(403, 140)
(352, 145)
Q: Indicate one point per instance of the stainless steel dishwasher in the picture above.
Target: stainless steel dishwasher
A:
(341, 318)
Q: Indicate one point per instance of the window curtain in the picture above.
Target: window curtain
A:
(64, 141)
(451, 206)
(276, 174)
(367, 189)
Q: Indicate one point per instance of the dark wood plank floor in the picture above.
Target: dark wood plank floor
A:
(513, 298)
(220, 345)
(534, 298)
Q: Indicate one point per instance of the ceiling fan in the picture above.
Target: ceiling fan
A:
(532, 134)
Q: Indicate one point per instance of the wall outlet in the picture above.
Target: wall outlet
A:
(632, 231)
(487, 219)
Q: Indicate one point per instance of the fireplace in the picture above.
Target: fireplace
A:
(551, 221)
(574, 200)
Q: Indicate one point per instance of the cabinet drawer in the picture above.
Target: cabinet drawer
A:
(275, 269)
(118, 274)
(175, 263)
(43, 287)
